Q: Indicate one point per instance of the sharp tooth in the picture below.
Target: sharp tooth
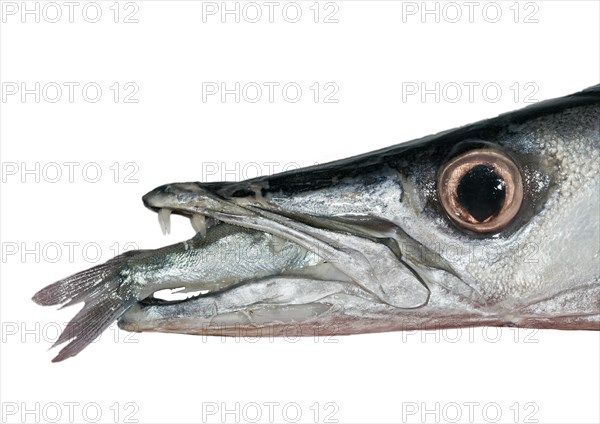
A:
(199, 224)
(164, 219)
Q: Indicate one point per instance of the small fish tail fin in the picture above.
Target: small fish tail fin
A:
(98, 288)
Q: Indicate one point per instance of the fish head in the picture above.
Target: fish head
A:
(495, 223)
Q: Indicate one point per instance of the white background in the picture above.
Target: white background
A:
(170, 133)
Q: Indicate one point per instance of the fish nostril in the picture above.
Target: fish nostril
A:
(243, 192)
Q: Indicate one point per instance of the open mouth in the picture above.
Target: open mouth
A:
(357, 255)
(229, 258)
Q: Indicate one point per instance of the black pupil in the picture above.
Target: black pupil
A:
(481, 192)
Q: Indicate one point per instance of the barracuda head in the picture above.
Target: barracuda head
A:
(495, 223)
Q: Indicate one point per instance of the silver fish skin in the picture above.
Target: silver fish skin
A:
(494, 223)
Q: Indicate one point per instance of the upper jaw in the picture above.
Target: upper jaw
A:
(188, 199)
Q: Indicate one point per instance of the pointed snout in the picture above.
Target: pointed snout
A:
(174, 195)
(190, 198)
(155, 199)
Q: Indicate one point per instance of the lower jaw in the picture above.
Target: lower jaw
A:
(140, 319)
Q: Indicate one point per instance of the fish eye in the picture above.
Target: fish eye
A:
(481, 190)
